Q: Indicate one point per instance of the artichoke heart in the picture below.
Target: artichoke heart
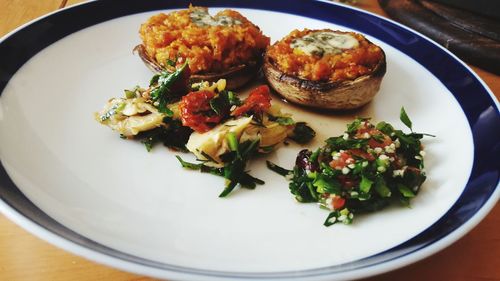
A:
(130, 116)
(213, 144)
(209, 146)
(270, 134)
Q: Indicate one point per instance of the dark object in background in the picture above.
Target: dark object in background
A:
(487, 8)
(473, 37)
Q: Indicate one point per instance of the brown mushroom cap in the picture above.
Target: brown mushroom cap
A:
(340, 95)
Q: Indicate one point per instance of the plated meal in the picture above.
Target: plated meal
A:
(77, 184)
(186, 109)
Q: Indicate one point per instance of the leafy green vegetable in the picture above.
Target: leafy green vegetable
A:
(359, 171)
(188, 165)
(302, 133)
(405, 191)
(343, 216)
(332, 218)
(285, 121)
(129, 94)
(340, 143)
(207, 156)
(385, 128)
(172, 135)
(234, 165)
(267, 149)
(365, 185)
(201, 167)
(133, 93)
(314, 156)
(351, 128)
(382, 188)
(249, 181)
(279, 170)
(232, 98)
(223, 102)
(148, 143)
(326, 184)
(154, 80)
(404, 118)
(219, 105)
(378, 138)
(162, 95)
(301, 186)
(170, 62)
(233, 142)
(234, 170)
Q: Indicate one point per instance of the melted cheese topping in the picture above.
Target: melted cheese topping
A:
(209, 44)
(321, 43)
(201, 18)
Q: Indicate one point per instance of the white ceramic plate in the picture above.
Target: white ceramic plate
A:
(78, 185)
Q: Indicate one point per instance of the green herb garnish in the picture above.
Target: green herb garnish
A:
(234, 165)
(223, 102)
(172, 135)
(129, 94)
(285, 121)
(364, 170)
(404, 118)
(280, 170)
(302, 133)
(161, 94)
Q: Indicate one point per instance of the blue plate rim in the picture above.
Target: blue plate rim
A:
(28, 219)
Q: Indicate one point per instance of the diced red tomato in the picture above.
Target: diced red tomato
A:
(365, 127)
(373, 143)
(341, 161)
(193, 109)
(259, 100)
(362, 154)
(338, 202)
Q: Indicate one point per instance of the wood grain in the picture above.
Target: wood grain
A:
(73, 2)
(25, 257)
(14, 13)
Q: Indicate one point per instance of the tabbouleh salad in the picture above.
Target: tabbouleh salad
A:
(364, 170)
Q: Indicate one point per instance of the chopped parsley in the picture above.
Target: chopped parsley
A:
(282, 120)
(302, 133)
(364, 170)
(222, 103)
(235, 162)
(172, 134)
(161, 93)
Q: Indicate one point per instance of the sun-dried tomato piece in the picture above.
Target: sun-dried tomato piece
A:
(196, 112)
(258, 101)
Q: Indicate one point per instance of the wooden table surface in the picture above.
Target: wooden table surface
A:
(25, 257)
